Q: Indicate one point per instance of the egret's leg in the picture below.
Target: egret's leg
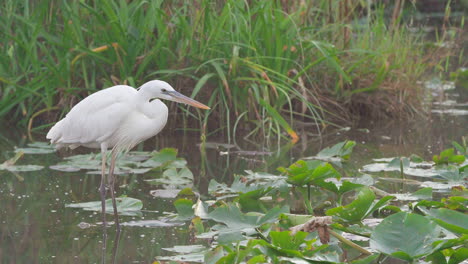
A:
(102, 187)
(111, 180)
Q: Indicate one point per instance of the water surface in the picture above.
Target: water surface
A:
(36, 227)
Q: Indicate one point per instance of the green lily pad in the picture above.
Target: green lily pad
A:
(159, 159)
(37, 148)
(10, 164)
(184, 209)
(414, 169)
(336, 153)
(191, 253)
(173, 177)
(424, 193)
(448, 156)
(361, 207)
(454, 175)
(186, 249)
(151, 223)
(310, 172)
(450, 219)
(237, 186)
(165, 193)
(234, 219)
(125, 206)
(21, 168)
(405, 236)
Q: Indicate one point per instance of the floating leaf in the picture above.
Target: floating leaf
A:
(341, 150)
(174, 177)
(151, 223)
(310, 172)
(424, 193)
(21, 168)
(449, 219)
(413, 169)
(405, 236)
(162, 158)
(186, 249)
(367, 260)
(286, 240)
(184, 209)
(191, 253)
(64, 167)
(454, 175)
(10, 164)
(35, 150)
(125, 206)
(335, 154)
(361, 207)
(165, 193)
(234, 219)
(448, 156)
(399, 163)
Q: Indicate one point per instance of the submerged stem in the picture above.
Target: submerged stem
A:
(349, 243)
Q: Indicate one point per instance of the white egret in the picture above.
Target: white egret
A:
(116, 118)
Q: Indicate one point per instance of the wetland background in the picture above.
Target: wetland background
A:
(387, 74)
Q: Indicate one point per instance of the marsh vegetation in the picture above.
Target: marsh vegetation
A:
(337, 132)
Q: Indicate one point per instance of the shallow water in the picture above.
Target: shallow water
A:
(37, 228)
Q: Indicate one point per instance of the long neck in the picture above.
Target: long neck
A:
(144, 93)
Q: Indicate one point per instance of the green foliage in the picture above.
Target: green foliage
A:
(340, 150)
(125, 206)
(243, 235)
(312, 172)
(364, 205)
(449, 219)
(448, 156)
(405, 236)
(248, 60)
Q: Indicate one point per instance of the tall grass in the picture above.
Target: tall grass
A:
(258, 64)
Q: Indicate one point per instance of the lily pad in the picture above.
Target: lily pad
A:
(161, 158)
(64, 167)
(173, 177)
(191, 253)
(450, 219)
(424, 193)
(165, 193)
(184, 209)
(336, 153)
(186, 249)
(125, 206)
(312, 172)
(417, 169)
(405, 236)
(361, 207)
(37, 148)
(234, 219)
(10, 164)
(151, 223)
(20, 168)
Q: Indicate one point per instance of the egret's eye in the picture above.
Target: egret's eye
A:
(163, 90)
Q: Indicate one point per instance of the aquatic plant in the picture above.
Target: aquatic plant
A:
(260, 60)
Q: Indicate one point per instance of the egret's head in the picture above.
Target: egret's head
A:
(163, 90)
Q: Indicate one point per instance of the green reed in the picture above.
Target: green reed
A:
(258, 64)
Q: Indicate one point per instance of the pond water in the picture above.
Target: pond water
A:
(36, 227)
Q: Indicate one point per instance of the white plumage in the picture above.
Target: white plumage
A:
(119, 118)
